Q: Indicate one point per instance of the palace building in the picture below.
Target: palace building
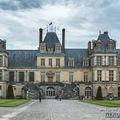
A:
(53, 69)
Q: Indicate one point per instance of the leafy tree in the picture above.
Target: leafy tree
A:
(10, 94)
(99, 94)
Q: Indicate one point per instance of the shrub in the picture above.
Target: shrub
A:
(99, 94)
(10, 94)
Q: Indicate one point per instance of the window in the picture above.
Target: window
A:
(71, 76)
(21, 76)
(111, 46)
(86, 62)
(99, 75)
(71, 62)
(88, 92)
(111, 75)
(0, 75)
(11, 76)
(98, 45)
(58, 62)
(31, 76)
(119, 76)
(111, 60)
(99, 60)
(42, 62)
(50, 62)
(57, 76)
(86, 76)
(42, 76)
(1, 61)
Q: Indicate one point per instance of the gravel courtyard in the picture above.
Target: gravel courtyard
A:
(56, 110)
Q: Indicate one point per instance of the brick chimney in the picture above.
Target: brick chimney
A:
(89, 48)
(63, 38)
(40, 35)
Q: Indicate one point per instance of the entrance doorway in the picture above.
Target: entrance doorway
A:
(50, 92)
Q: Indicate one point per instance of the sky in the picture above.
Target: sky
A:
(20, 21)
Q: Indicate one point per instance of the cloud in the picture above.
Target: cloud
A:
(21, 19)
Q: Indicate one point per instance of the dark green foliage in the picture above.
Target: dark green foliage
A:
(10, 94)
(99, 94)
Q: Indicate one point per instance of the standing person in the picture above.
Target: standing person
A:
(60, 97)
(39, 97)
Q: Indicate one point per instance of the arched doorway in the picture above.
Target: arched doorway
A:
(50, 92)
(88, 92)
(119, 92)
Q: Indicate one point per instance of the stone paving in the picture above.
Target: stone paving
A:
(56, 110)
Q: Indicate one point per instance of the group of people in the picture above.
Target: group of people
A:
(58, 97)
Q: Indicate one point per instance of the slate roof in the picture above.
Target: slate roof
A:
(51, 39)
(77, 54)
(104, 39)
(22, 58)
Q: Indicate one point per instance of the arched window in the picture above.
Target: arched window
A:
(88, 92)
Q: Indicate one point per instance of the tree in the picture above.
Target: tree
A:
(99, 94)
(10, 94)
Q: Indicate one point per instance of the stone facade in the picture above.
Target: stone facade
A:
(54, 69)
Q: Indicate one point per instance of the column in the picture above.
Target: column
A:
(106, 60)
(94, 60)
(115, 60)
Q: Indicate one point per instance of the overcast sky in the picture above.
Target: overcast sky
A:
(21, 19)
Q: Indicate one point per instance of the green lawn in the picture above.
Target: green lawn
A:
(12, 102)
(106, 103)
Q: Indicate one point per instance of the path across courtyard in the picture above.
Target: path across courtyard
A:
(56, 110)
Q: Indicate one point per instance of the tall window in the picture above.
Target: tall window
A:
(57, 76)
(99, 75)
(1, 61)
(11, 76)
(31, 76)
(111, 75)
(99, 60)
(50, 62)
(42, 62)
(0, 75)
(42, 76)
(111, 60)
(98, 45)
(71, 76)
(58, 62)
(86, 76)
(21, 76)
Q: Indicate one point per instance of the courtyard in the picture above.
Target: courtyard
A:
(57, 110)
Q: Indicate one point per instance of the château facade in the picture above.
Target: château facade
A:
(54, 68)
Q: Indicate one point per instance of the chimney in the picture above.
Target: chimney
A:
(63, 37)
(89, 48)
(40, 35)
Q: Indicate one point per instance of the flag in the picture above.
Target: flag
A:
(50, 23)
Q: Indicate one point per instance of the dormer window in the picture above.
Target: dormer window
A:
(111, 45)
(71, 62)
(42, 47)
(58, 48)
(85, 62)
(98, 45)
